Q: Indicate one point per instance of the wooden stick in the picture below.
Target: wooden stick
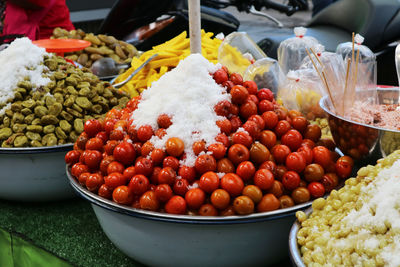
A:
(315, 66)
(352, 47)
(355, 75)
(321, 76)
(319, 61)
(354, 84)
(345, 86)
(329, 91)
(194, 26)
(323, 71)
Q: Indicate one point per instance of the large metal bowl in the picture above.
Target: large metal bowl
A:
(365, 143)
(160, 239)
(294, 251)
(34, 174)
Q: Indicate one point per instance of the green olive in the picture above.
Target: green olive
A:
(29, 118)
(26, 111)
(20, 141)
(49, 100)
(25, 84)
(65, 126)
(19, 128)
(5, 133)
(35, 128)
(48, 129)
(55, 109)
(83, 102)
(49, 119)
(40, 111)
(33, 136)
(16, 106)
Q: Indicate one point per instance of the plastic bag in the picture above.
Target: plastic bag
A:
(330, 67)
(318, 50)
(237, 51)
(302, 91)
(292, 51)
(362, 71)
(266, 73)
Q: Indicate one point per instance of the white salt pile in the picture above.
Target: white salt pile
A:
(20, 60)
(188, 95)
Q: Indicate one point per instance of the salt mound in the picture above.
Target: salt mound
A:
(188, 95)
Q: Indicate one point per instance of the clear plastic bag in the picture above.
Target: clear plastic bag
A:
(237, 51)
(302, 91)
(318, 50)
(292, 51)
(362, 72)
(266, 73)
(330, 67)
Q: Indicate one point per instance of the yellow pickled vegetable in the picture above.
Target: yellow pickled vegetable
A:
(233, 59)
(169, 55)
(324, 125)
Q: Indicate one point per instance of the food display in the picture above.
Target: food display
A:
(169, 55)
(357, 225)
(215, 146)
(226, 133)
(44, 100)
(101, 46)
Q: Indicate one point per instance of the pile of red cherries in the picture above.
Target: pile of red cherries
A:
(265, 158)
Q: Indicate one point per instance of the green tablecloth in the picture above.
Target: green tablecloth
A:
(55, 234)
(16, 251)
(59, 234)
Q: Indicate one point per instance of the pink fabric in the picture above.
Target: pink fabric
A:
(20, 21)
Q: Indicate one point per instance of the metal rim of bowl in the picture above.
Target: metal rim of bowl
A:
(324, 99)
(294, 251)
(36, 150)
(186, 219)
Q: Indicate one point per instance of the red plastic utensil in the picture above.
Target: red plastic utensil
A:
(61, 46)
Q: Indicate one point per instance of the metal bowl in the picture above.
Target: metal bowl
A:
(294, 250)
(363, 142)
(161, 239)
(34, 174)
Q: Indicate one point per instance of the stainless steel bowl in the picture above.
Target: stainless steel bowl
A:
(161, 239)
(34, 174)
(363, 142)
(294, 250)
